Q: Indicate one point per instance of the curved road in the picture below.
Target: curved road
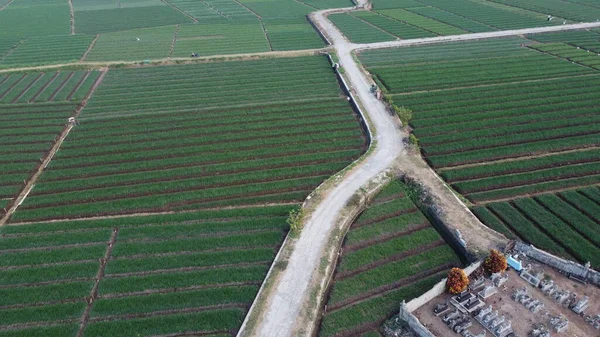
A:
(284, 307)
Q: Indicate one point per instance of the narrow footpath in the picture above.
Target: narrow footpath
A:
(283, 313)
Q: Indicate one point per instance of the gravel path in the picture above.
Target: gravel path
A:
(282, 315)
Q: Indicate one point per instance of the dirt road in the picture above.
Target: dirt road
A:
(282, 313)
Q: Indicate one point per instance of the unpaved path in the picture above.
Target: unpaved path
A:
(283, 312)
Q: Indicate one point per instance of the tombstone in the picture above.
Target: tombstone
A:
(473, 304)
(496, 323)
(463, 296)
(504, 329)
(581, 305)
(534, 280)
(537, 307)
(531, 304)
(498, 279)
(449, 316)
(440, 309)
(490, 317)
(487, 292)
(546, 284)
(467, 323)
(518, 293)
(483, 313)
(524, 299)
(562, 296)
(561, 326)
(478, 283)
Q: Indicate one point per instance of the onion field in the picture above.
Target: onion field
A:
(194, 272)
(28, 133)
(505, 119)
(409, 19)
(390, 253)
(216, 145)
(46, 87)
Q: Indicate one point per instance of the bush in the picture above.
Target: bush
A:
(457, 281)
(495, 262)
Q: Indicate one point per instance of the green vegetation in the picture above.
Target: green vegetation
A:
(217, 140)
(390, 253)
(498, 134)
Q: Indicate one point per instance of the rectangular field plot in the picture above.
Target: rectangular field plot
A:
(28, 133)
(48, 49)
(160, 138)
(194, 273)
(113, 20)
(44, 87)
(563, 9)
(220, 39)
(390, 253)
(497, 134)
(137, 44)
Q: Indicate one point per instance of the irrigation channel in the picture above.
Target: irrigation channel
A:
(287, 305)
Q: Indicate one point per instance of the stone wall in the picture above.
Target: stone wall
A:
(413, 322)
(566, 266)
(436, 290)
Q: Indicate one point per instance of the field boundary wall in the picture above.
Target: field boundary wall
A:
(323, 37)
(353, 102)
(569, 267)
(436, 290)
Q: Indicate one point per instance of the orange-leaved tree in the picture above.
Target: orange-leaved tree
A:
(457, 281)
(495, 262)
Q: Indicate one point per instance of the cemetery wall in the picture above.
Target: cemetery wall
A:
(566, 266)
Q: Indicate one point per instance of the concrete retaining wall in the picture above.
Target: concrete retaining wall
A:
(566, 266)
(413, 322)
(436, 290)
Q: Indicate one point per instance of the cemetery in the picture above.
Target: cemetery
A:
(529, 299)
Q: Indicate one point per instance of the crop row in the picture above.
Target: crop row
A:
(43, 87)
(153, 272)
(547, 221)
(381, 263)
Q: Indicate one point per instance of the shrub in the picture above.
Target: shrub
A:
(457, 281)
(495, 262)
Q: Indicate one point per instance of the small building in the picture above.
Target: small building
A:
(514, 263)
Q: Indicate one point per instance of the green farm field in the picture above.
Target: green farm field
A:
(511, 124)
(409, 19)
(216, 145)
(390, 253)
(41, 32)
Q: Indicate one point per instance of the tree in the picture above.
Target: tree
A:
(457, 281)
(495, 262)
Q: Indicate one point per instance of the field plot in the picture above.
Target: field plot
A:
(45, 87)
(390, 253)
(500, 123)
(218, 39)
(112, 20)
(161, 138)
(408, 19)
(136, 44)
(48, 49)
(28, 132)
(194, 272)
(563, 9)
(213, 10)
(188, 150)
(23, 19)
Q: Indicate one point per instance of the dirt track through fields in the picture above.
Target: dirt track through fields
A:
(72, 15)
